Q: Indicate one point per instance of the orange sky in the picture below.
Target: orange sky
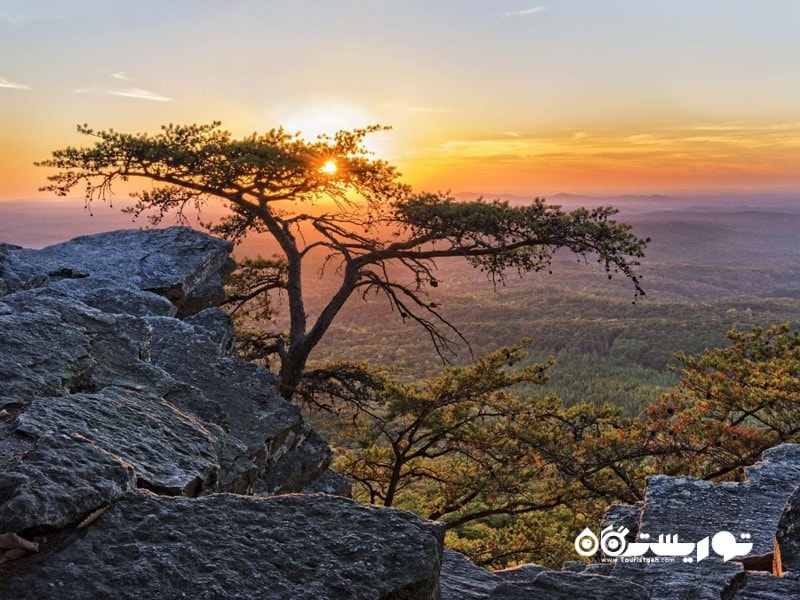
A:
(483, 97)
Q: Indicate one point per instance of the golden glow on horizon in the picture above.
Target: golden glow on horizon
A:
(670, 156)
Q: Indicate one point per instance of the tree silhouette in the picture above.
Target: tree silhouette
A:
(374, 224)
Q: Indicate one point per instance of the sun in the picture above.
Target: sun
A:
(329, 168)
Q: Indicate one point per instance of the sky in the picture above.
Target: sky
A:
(502, 96)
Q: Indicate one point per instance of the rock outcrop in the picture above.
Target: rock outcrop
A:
(108, 378)
(787, 538)
(694, 509)
(121, 394)
(463, 580)
(766, 506)
(173, 263)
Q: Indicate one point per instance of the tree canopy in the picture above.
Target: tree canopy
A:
(372, 229)
(510, 471)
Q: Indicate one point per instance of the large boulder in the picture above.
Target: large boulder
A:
(52, 344)
(103, 390)
(262, 428)
(170, 453)
(706, 580)
(228, 546)
(62, 480)
(694, 509)
(185, 266)
(787, 537)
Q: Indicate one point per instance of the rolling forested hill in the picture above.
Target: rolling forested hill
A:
(708, 268)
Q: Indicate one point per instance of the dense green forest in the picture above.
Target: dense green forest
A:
(705, 272)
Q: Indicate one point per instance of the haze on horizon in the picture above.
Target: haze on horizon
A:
(499, 97)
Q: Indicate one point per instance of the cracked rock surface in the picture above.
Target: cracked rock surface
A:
(228, 546)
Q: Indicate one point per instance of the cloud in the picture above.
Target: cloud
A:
(30, 16)
(136, 93)
(524, 12)
(5, 83)
(139, 94)
(121, 76)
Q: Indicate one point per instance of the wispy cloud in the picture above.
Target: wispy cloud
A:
(137, 93)
(525, 12)
(121, 76)
(23, 17)
(140, 94)
(5, 83)
(694, 152)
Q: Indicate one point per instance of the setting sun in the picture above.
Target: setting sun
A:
(328, 168)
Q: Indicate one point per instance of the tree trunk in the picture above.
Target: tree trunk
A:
(292, 368)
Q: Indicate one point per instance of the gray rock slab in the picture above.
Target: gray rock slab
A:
(297, 467)
(331, 483)
(261, 426)
(227, 546)
(113, 297)
(64, 478)
(693, 508)
(171, 452)
(464, 580)
(18, 271)
(172, 262)
(218, 326)
(40, 354)
(561, 585)
(787, 537)
(185, 266)
(765, 586)
(53, 344)
(706, 580)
